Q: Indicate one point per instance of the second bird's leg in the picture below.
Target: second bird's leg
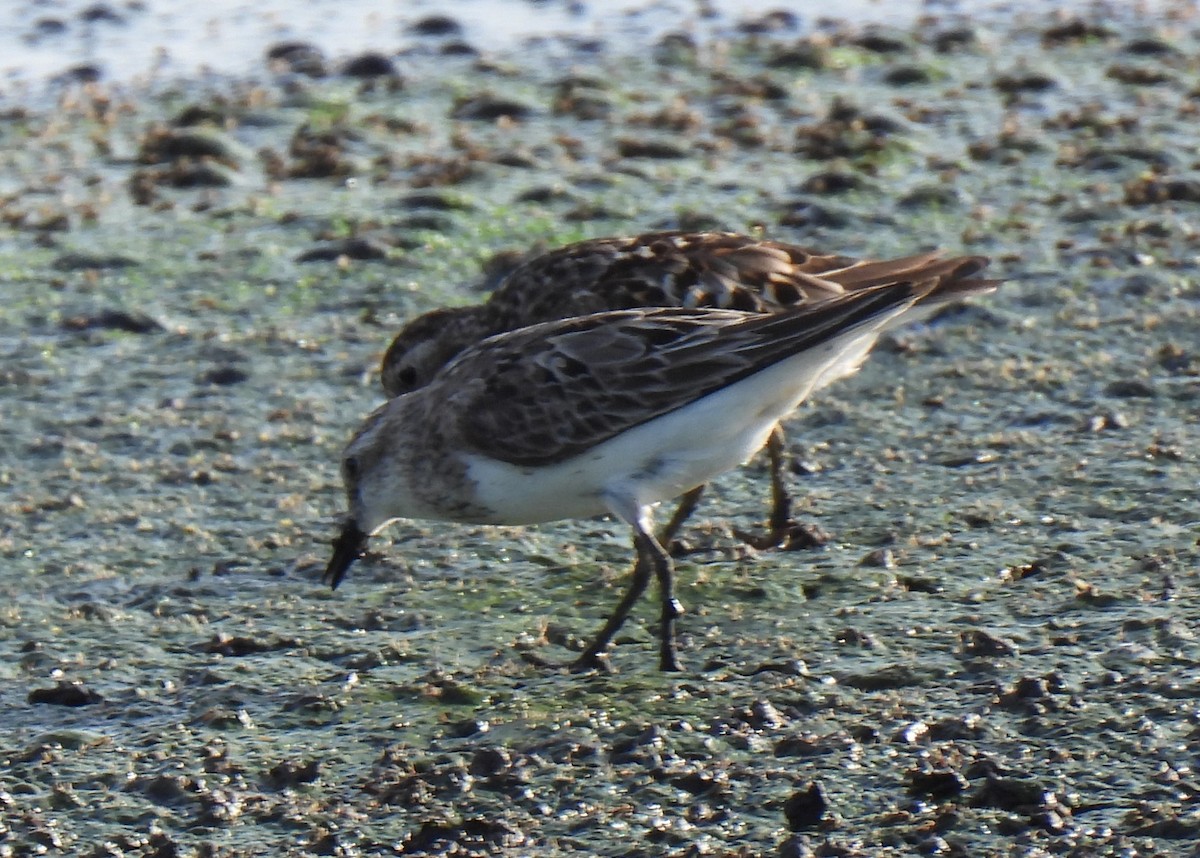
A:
(687, 505)
(781, 500)
(780, 521)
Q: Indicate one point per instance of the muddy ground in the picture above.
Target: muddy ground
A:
(995, 653)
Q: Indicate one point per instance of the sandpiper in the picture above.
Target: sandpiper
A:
(611, 412)
(662, 269)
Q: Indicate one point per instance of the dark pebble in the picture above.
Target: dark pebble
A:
(470, 836)
(1013, 794)
(467, 728)
(696, 783)
(832, 182)
(1136, 75)
(979, 643)
(65, 694)
(224, 375)
(798, 846)
(939, 784)
(162, 145)
(809, 215)
(192, 175)
(658, 149)
(434, 201)
(130, 321)
(1076, 30)
(49, 26)
(1149, 47)
(487, 108)
(930, 197)
(887, 678)
(426, 220)
(1148, 191)
(775, 21)
(805, 807)
(800, 56)
(543, 194)
(458, 49)
(1130, 388)
(351, 248)
(369, 65)
(954, 39)
(88, 261)
(675, 49)
(101, 12)
(287, 774)
(879, 42)
(164, 789)
(436, 25)
(235, 646)
(82, 73)
(297, 57)
(907, 76)
(490, 762)
(797, 746)
(197, 114)
(1024, 82)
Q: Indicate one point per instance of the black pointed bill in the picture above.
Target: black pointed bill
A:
(348, 547)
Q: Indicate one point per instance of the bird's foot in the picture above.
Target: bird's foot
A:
(787, 536)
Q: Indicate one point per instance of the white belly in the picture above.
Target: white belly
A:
(664, 457)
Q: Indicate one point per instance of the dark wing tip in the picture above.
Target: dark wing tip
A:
(347, 547)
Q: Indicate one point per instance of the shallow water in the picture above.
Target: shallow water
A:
(170, 39)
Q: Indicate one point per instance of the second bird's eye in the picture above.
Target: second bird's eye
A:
(350, 467)
(408, 377)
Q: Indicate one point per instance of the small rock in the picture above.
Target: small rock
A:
(806, 807)
(436, 25)
(130, 321)
(65, 694)
(297, 57)
(1016, 794)
(98, 12)
(489, 108)
(628, 147)
(92, 261)
(1130, 388)
(907, 76)
(1076, 30)
(938, 783)
(368, 65)
(1024, 82)
(880, 42)
(350, 248)
(490, 762)
(979, 643)
(287, 774)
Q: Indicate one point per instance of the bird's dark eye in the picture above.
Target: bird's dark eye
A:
(350, 467)
(408, 377)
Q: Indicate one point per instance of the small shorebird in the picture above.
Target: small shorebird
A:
(607, 413)
(664, 269)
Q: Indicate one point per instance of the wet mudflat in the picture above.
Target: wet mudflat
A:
(995, 652)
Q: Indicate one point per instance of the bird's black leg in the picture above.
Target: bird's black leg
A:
(651, 552)
(591, 658)
(650, 556)
(687, 505)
